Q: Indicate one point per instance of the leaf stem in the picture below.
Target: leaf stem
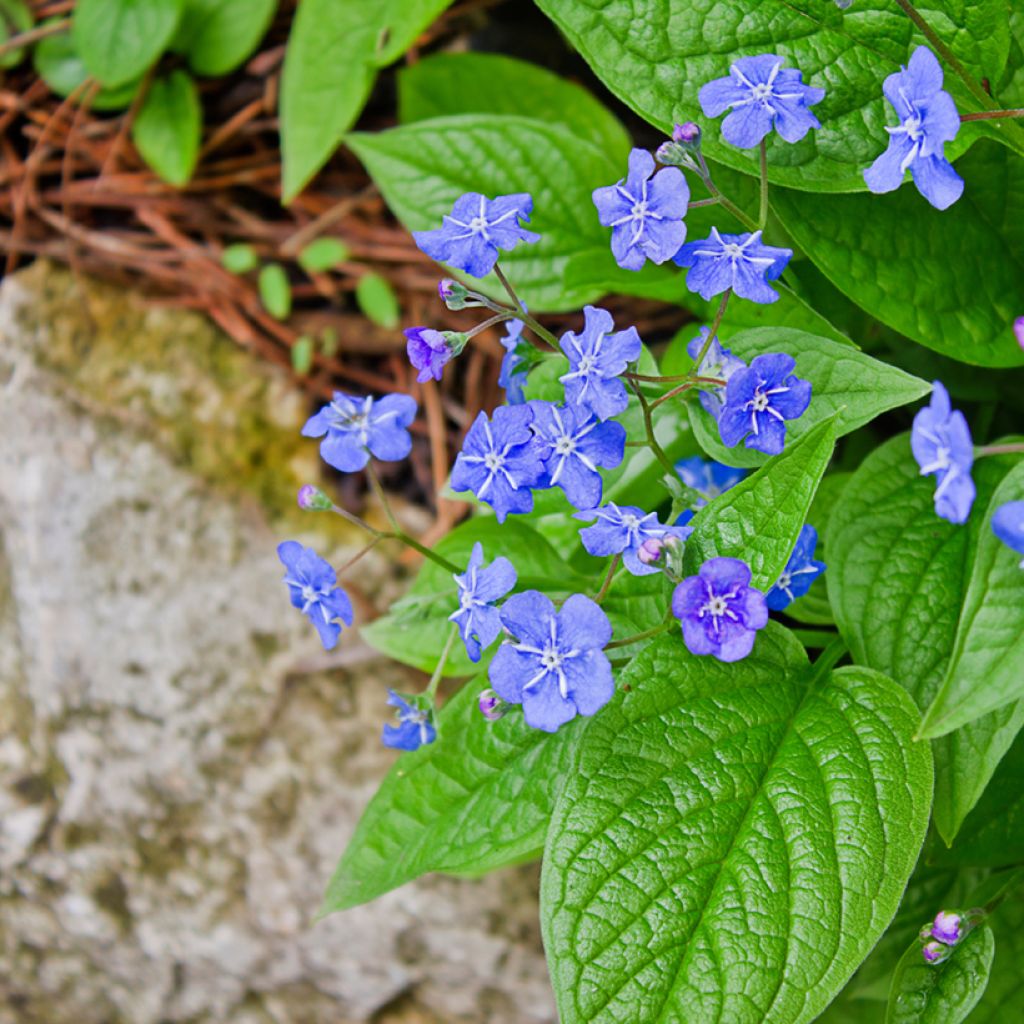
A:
(712, 332)
(521, 311)
(356, 521)
(998, 449)
(659, 452)
(637, 637)
(490, 322)
(992, 115)
(696, 204)
(607, 584)
(435, 679)
(33, 35)
(673, 379)
(762, 216)
(816, 639)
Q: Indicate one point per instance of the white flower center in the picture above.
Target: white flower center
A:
(913, 127)
(761, 91)
(565, 445)
(630, 521)
(309, 594)
(493, 461)
(761, 401)
(551, 659)
(732, 250)
(785, 581)
(478, 225)
(717, 606)
(639, 210)
(586, 364)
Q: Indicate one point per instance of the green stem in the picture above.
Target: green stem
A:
(607, 584)
(435, 679)
(814, 638)
(33, 35)
(762, 216)
(359, 554)
(521, 312)
(997, 449)
(993, 115)
(507, 285)
(659, 452)
(728, 204)
(356, 521)
(490, 322)
(637, 637)
(696, 204)
(826, 661)
(673, 379)
(695, 369)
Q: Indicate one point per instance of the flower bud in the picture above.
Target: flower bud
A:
(947, 927)
(312, 499)
(492, 707)
(688, 133)
(650, 551)
(452, 293)
(1018, 330)
(935, 952)
(683, 150)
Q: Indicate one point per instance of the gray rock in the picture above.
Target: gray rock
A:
(178, 772)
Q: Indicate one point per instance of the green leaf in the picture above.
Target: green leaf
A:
(852, 387)
(987, 668)
(945, 993)
(656, 54)
(323, 254)
(168, 128)
(57, 63)
(731, 839)
(334, 50)
(476, 799)
(488, 83)
(217, 35)
(302, 354)
(377, 299)
(1003, 1000)
(952, 281)
(119, 40)
(275, 291)
(239, 258)
(498, 155)
(760, 518)
(896, 579)
(15, 18)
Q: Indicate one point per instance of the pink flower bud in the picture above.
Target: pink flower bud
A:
(650, 551)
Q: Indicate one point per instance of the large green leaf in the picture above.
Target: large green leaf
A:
(1003, 1000)
(731, 839)
(953, 281)
(986, 671)
(488, 83)
(760, 518)
(118, 40)
(476, 799)
(846, 384)
(897, 578)
(169, 126)
(422, 168)
(945, 993)
(217, 35)
(656, 54)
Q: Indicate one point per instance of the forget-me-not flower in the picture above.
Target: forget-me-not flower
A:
(941, 442)
(596, 358)
(1008, 526)
(499, 461)
(476, 229)
(719, 611)
(708, 478)
(718, 362)
(573, 445)
(758, 401)
(430, 351)
(928, 120)
(415, 727)
(762, 95)
(801, 571)
(740, 262)
(357, 428)
(622, 530)
(556, 666)
(645, 214)
(479, 588)
(313, 588)
(514, 368)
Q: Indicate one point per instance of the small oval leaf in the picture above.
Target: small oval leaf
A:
(169, 127)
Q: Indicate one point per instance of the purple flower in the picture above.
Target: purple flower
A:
(415, 727)
(948, 927)
(928, 120)
(596, 358)
(514, 368)
(555, 667)
(357, 428)
(740, 262)
(476, 229)
(800, 572)
(313, 588)
(717, 362)
(499, 461)
(941, 443)
(623, 530)
(759, 400)
(708, 478)
(645, 214)
(719, 611)
(1008, 526)
(573, 444)
(492, 707)
(477, 618)
(430, 350)
(762, 95)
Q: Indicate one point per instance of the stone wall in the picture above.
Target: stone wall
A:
(179, 765)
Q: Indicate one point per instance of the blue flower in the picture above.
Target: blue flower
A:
(941, 443)
(928, 120)
(719, 611)
(514, 368)
(1008, 526)
(573, 444)
(740, 262)
(708, 478)
(357, 428)
(476, 229)
(313, 588)
(718, 362)
(623, 530)
(477, 618)
(499, 461)
(429, 350)
(555, 667)
(645, 214)
(415, 727)
(596, 358)
(762, 95)
(759, 400)
(800, 572)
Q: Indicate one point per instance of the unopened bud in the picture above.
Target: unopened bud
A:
(313, 499)
(947, 927)
(452, 293)
(688, 132)
(1018, 330)
(935, 952)
(492, 707)
(683, 150)
(650, 551)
